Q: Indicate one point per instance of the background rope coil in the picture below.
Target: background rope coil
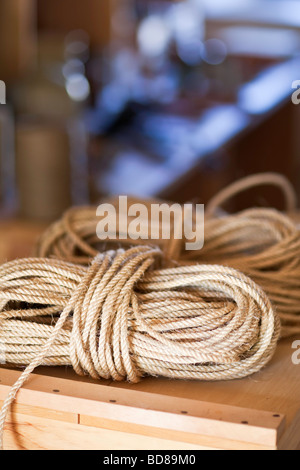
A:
(262, 243)
(123, 318)
(263, 179)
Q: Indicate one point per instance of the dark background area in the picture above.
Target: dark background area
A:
(148, 98)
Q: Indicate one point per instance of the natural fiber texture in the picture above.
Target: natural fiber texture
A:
(262, 179)
(123, 318)
(74, 237)
(262, 243)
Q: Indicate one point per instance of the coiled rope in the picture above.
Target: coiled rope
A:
(262, 243)
(122, 318)
(253, 181)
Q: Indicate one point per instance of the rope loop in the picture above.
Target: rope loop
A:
(99, 342)
(263, 243)
(264, 179)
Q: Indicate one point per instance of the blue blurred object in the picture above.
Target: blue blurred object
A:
(173, 93)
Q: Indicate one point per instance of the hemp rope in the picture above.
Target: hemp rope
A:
(262, 179)
(262, 243)
(123, 317)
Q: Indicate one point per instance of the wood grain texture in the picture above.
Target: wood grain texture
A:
(24, 432)
(211, 442)
(39, 412)
(186, 419)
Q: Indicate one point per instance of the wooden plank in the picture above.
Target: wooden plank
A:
(210, 442)
(158, 411)
(39, 412)
(261, 393)
(291, 439)
(276, 387)
(33, 433)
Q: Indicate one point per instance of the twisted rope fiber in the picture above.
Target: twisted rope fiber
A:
(253, 181)
(122, 318)
(262, 243)
(74, 237)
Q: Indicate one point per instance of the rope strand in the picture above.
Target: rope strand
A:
(123, 318)
(262, 243)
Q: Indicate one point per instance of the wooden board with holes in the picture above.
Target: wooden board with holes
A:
(59, 410)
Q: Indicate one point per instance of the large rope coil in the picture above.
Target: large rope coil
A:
(123, 318)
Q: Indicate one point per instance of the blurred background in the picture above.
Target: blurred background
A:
(164, 98)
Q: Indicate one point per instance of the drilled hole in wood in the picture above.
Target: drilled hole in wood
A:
(56, 391)
(245, 422)
(184, 412)
(112, 401)
(276, 416)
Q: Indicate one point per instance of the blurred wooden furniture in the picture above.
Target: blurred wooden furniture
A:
(93, 16)
(17, 37)
(43, 170)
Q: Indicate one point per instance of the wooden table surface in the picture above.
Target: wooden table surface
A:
(18, 237)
